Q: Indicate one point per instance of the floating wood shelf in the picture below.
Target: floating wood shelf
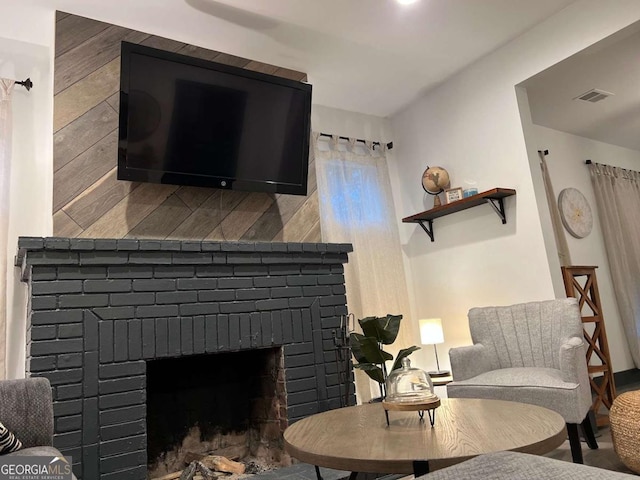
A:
(493, 197)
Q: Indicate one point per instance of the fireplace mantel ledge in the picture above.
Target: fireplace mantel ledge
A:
(96, 252)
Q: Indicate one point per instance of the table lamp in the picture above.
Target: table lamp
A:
(431, 334)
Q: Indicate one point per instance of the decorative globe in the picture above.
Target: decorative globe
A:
(435, 180)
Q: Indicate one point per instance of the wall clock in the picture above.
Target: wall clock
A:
(575, 212)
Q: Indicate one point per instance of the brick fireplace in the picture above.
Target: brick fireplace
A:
(100, 309)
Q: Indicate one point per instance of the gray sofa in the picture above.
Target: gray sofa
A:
(26, 409)
(522, 466)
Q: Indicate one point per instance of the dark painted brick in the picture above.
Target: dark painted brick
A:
(244, 258)
(121, 415)
(316, 291)
(337, 269)
(69, 360)
(42, 364)
(277, 304)
(186, 335)
(235, 283)
(70, 330)
(127, 244)
(331, 322)
(176, 297)
(266, 328)
(144, 298)
(263, 246)
(330, 279)
(190, 246)
(148, 338)
(49, 347)
(162, 337)
(287, 327)
(216, 295)
(211, 333)
(279, 247)
(136, 473)
(81, 273)
(52, 258)
(120, 340)
(67, 407)
(100, 257)
(149, 244)
(230, 246)
(155, 285)
(199, 309)
(56, 287)
(170, 245)
(82, 301)
(61, 377)
(301, 280)
(277, 258)
(69, 392)
(175, 343)
(252, 294)
(121, 385)
(44, 303)
(270, 281)
(129, 444)
(276, 327)
(219, 258)
(255, 330)
(302, 397)
(105, 243)
(90, 374)
(135, 339)
(301, 360)
(119, 462)
(156, 311)
(115, 400)
(47, 317)
(238, 307)
(338, 289)
(298, 373)
(341, 310)
(82, 244)
(214, 270)
(335, 258)
(309, 247)
(191, 258)
(250, 270)
(198, 335)
(68, 424)
(114, 313)
(150, 258)
(223, 332)
(333, 300)
(315, 269)
(286, 292)
(106, 341)
(43, 273)
(210, 246)
(90, 331)
(90, 464)
(108, 286)
(284, 270)
(294, 247)
(328, 311)
(56, 243)
(245, 331)
(44, 332)
(174, 271)
(125, 369)
(301, 302)
(301, 385)
(197, 283)
(31, 243)
(141, 271)
(63, 441)
(234, 331)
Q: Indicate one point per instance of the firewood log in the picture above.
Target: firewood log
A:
(222, 464)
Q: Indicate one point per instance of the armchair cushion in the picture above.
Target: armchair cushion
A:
(26, 409)
(8, 441)
(469, 361)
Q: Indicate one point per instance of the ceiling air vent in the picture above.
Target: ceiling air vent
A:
(594, 95)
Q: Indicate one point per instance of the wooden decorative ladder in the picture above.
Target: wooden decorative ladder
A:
(581, 283)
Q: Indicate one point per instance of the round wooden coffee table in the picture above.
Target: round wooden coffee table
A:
(358, 438)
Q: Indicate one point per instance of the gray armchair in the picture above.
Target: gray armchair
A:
(530, 353)
(26, 409)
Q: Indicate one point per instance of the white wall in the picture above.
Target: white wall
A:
(566, 163)
(31, 174)
(471, 126)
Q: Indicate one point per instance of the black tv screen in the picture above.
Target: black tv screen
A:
(187, 121)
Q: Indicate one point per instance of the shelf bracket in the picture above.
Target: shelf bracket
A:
(498, 206)
(427, 229)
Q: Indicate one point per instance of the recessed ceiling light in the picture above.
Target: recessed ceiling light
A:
(406, 2)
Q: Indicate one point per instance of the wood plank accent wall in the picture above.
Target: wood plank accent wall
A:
(88, 200)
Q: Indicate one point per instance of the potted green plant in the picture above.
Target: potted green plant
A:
(367, 347)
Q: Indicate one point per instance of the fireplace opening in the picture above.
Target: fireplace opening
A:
(228, 404)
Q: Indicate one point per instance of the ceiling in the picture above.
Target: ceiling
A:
(368, 56)
(612, 65)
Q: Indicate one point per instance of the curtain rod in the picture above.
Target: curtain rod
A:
(28, 84)
(389, 145)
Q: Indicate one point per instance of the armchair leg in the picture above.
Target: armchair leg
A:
(574, 442)
(589, 435)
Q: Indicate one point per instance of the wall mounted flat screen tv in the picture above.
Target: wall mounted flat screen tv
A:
(187, 121)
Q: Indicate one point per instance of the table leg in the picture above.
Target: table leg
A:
(318, 476)
(420, 467)
(353, 475)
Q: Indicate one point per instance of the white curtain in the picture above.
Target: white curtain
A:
(6, 88)
(617, 194)
(356, 207)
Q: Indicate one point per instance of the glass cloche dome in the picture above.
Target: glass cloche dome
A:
(409, 385)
